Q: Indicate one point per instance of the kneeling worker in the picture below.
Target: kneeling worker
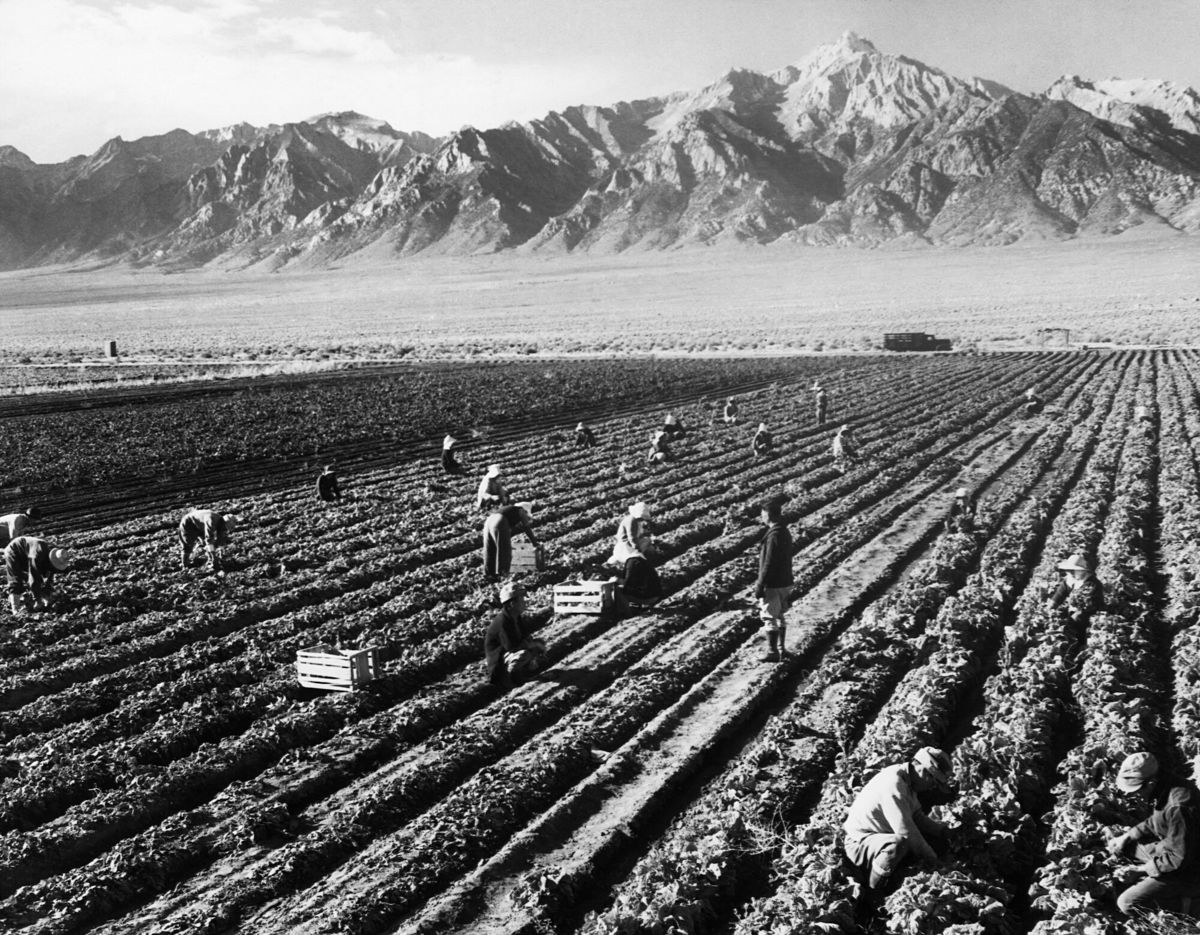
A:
(639, 581)
(206, 526)
(327, 485)
(886, 823)
(763, 442)
(30, 564)
(506, 648)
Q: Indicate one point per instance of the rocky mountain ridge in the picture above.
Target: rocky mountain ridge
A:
(849, 146)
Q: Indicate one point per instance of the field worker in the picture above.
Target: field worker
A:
(730, 414)
(17, 524)
(207, 526)
(673, 427)
(1078, 591)
(639, 581)
(327, 485)
(822, 405)
(763, 442)
(506, 648)
(584, 437)
(1166, 845)
(886, 824)
(962, 513)
(498, 531)
(660, 448)
(1140, 775)
(1033, 402)
(774, 586)
(30, 564)
(491, 492)
(845, 449)
(449, 464)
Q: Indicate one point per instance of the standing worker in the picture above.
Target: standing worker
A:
(763, 442)
(822, 404)
(845, 449)
(327, 485)
(449, 465)
(584, 437)
(774, 586)
(1078, 593)
(498, 531)
(491, 492)
(30, 564)
(507, 649)
(1166, 845)
(639, 581)
(660, 448)
(730, 415)
(207, 526)
(17, 524)
(962, 513)
(886, 822)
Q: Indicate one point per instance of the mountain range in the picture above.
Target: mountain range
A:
(850, 146)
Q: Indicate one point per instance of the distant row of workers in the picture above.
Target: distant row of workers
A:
(887, 827)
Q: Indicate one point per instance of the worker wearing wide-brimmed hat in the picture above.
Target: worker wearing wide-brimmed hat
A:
(17, 524)
(1078, 593)
(30, 564)
(1166, 844)
(209, 527)
(498, 530)
(886, 823)
(961, 517)
(491, 493)
(639, 582)
(507, 648)
(584, 436)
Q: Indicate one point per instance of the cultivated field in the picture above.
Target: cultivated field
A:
(164, 773)
(1138, 289)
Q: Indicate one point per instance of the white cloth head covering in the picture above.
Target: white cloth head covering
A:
(526, 508)
(961, 492)
(509, 590)
(640, 510)
(493, 470)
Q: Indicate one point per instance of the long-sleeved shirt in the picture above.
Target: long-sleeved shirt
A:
(327, 486)
(774, 559)
(504, 635)
(27, 562)
(491, 491)
(632, 540)
(207, 526)
(763, 442)
(1175, 852)
(888, 804)
(1084, 598)
(13, 525)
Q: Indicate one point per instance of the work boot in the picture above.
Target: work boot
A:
(772, 654)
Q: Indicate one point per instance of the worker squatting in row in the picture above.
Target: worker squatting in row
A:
(887, 827)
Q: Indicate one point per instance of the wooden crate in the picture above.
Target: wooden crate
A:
(587, 597)
(527, 557)
(339, 671)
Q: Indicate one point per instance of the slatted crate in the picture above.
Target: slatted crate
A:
(587, 597)
(527, 557)
(342, 670)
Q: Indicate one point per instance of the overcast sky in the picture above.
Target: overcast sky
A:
(74, 73)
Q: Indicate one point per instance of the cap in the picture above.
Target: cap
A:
(509, 590)
(961, 492)
(640, 510)
(933, 763)
(1074, 563)
(60, 558)
(1136, 770)
(493, 470)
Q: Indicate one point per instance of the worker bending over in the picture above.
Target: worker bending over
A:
(208, 527)
(886, 823)
(730, 415)
(584, 436)
(763, 443)
(962, 513)
(660, 448)
(639, 582)
(673, 427)
(449, 464)
(498, 530)
(1033, 402)
(774, 585)
(507, 649)
(845, 449)
(1078, 593)
(17, 524)
(29, 565)
(491, 492)
(327, 485)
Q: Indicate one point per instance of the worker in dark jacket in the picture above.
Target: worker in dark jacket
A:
(17, 524)
(498, 531)
(730, 415)
(492, 493)
(209, 527)
(763, 443)
(660, 448)
(29, 565)
(822, 402)
(1033, 402)
(639, 582)
(449, 464)
(506, 647)
(673, 427)
(584, 436)
(774, 585)
(327, 485)
(845, 449)
(962, 513)
(1078, 593)
(1167, 848)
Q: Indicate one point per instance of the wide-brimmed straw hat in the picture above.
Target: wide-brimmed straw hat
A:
(60, 558)
(1074, 563)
